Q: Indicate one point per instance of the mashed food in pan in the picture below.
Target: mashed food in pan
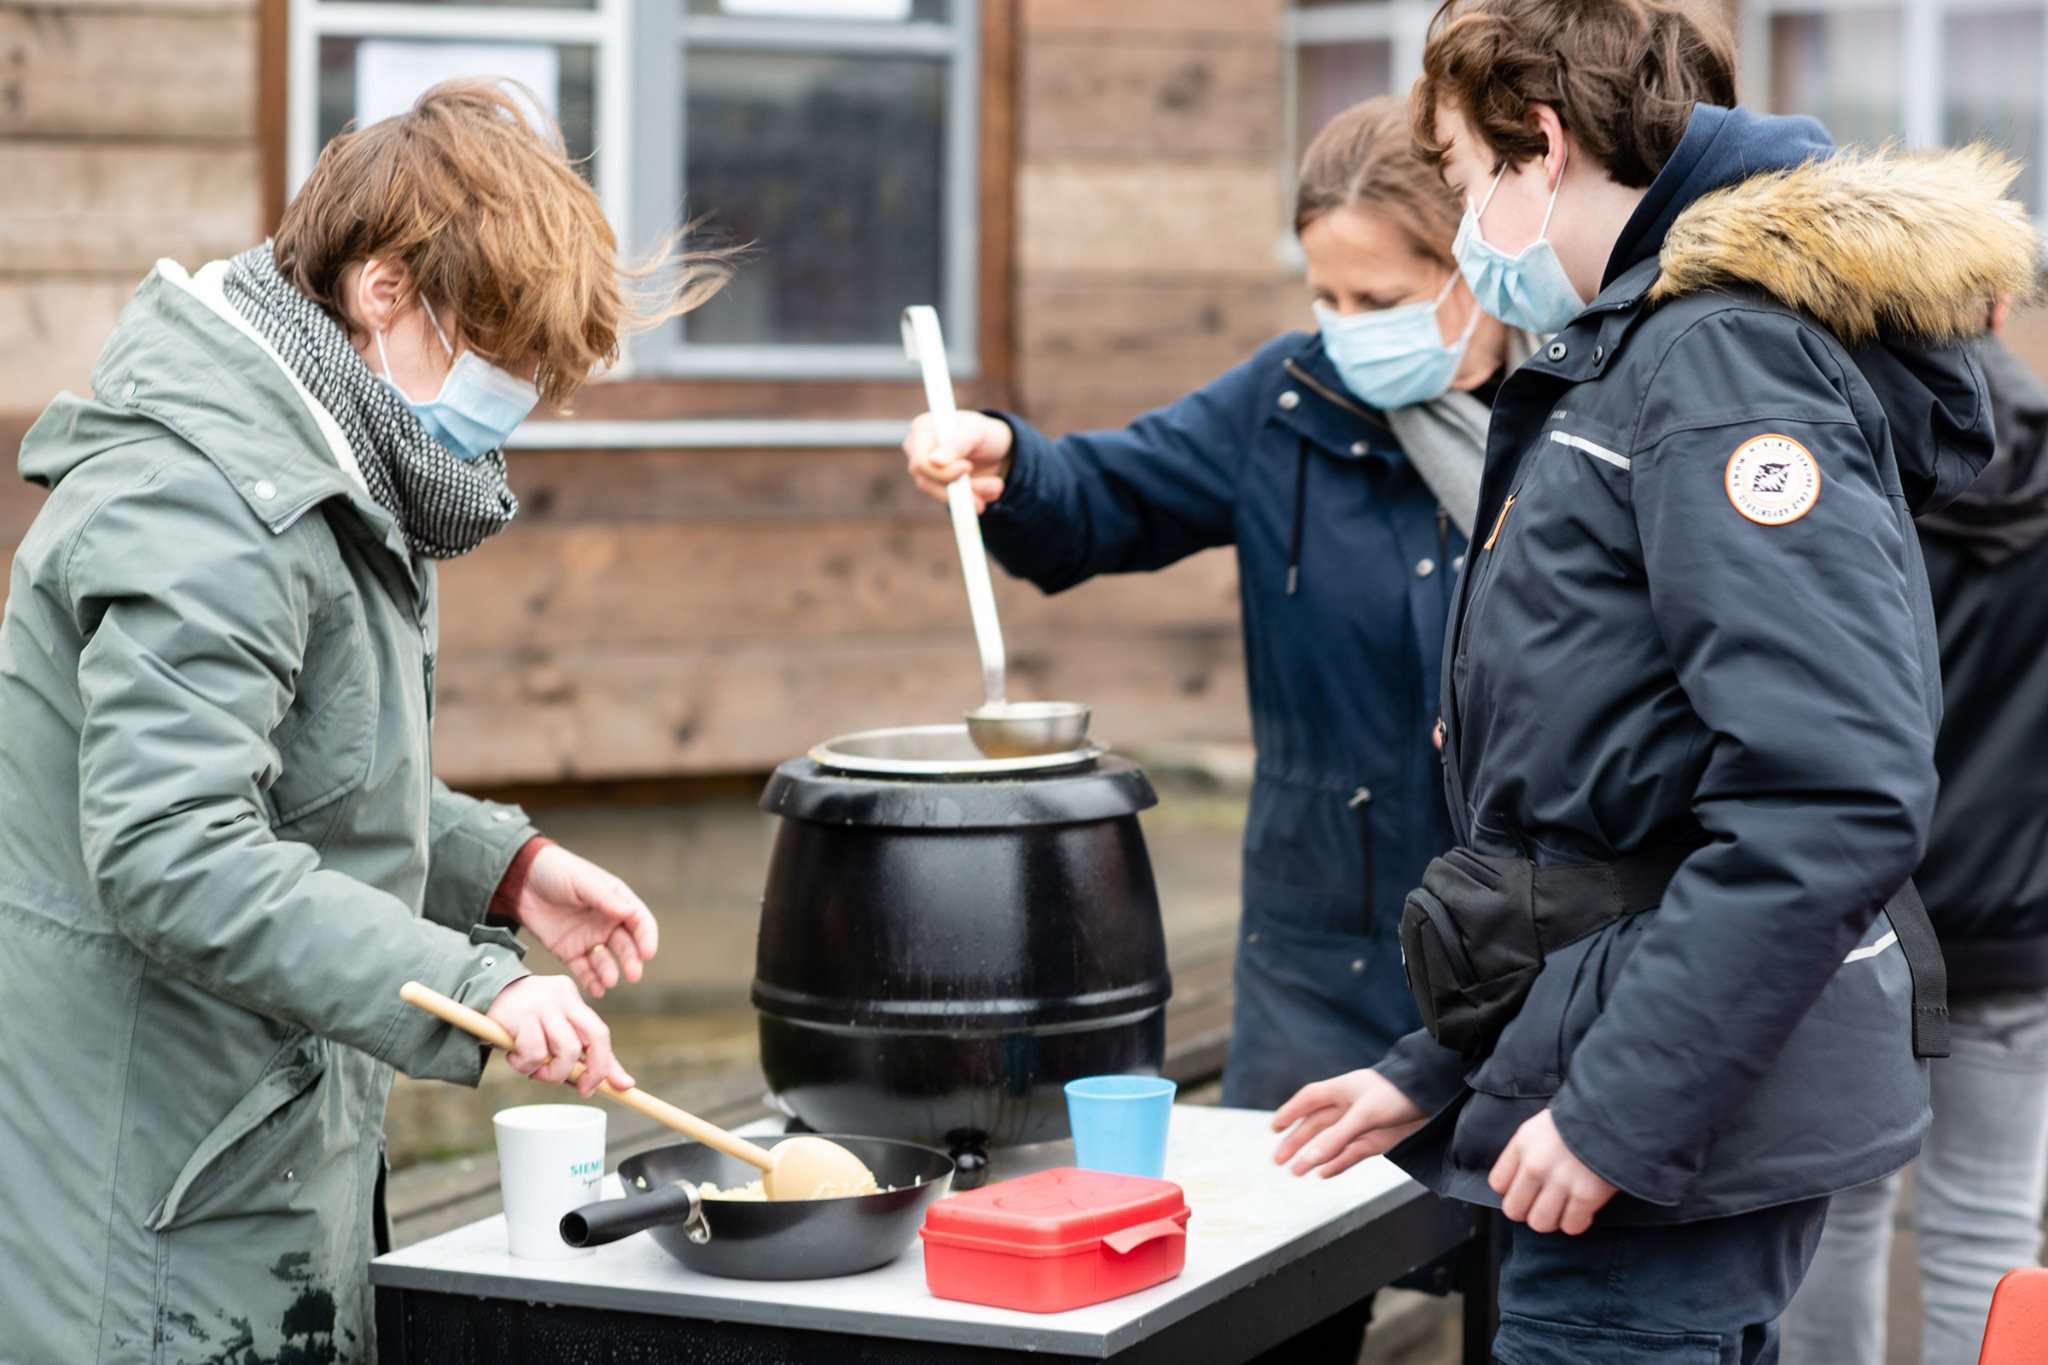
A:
(751, 1190)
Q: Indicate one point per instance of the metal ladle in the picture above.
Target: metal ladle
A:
(999, 727)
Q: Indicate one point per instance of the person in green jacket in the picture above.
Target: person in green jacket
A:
(222, 848)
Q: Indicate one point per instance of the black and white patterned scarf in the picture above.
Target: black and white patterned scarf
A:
(446, 506)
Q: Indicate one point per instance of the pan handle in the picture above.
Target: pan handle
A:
(609, 1220)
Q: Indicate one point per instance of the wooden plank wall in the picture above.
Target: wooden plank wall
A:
(127, 132)
(1151, 201)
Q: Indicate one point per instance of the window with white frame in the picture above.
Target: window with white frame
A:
(1342, 51)
(838, 136)
(1931, 72)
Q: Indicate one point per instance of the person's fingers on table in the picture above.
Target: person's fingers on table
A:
(1361, 1149)
(1348, 1126)
(1305, 1101)
(1303, 1133)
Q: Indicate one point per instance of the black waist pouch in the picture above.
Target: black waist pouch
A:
(1468, 942)
(1475, 933)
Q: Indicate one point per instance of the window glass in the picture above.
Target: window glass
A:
(366, 79)
(834, 166)
(1991, 85)
(1843, 69)
(1331, 77)
(828, 11)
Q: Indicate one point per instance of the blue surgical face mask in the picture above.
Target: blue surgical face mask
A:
(1395, 357)
(1529, 291)
(479, 405)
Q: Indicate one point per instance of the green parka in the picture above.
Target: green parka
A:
(222, 850)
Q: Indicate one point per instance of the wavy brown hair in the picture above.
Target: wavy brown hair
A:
(1363, 158)
(1623, 76)
(476, 195)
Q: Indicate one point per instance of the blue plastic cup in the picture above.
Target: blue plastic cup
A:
(1119, 1123)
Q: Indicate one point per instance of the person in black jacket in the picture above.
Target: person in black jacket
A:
(1691, 686)
(1983, 1172)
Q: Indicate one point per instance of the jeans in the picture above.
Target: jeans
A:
(1977, 1201)
(1705, 1293)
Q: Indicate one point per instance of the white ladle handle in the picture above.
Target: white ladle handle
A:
(926, 345)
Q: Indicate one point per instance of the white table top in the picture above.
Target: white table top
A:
(1250, 1217)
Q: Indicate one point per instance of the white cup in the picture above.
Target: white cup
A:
(550, 1160)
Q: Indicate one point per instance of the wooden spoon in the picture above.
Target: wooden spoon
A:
(795, 1168)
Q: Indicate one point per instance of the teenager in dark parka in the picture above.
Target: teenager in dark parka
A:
(1698, 616)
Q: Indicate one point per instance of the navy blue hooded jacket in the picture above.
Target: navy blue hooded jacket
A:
(1345, 565)
(1699, 615)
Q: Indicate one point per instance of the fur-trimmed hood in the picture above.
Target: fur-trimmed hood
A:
(1870, 243)
(1898, 254)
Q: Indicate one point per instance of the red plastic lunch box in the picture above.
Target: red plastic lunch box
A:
(1056, 1240)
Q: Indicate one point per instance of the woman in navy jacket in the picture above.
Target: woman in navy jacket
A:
(1345, 557)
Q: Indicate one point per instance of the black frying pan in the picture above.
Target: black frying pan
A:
(787, 1239)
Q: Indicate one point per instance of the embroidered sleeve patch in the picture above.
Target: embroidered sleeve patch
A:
(1773, 480)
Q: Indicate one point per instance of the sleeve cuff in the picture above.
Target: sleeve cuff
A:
(1424, 1070)
(1650, 1180)
(1022, 498)
(471, 972)
(471, 859)
(512, 886)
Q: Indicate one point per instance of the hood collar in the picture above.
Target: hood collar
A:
(1897, 254)
(1326, 413)
(177, 361)
(1721, 147)
(1871, 244)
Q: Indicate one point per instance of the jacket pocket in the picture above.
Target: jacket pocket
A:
(1534, 1052)
(324, 744)
(1301, 857)
(231, 1171)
